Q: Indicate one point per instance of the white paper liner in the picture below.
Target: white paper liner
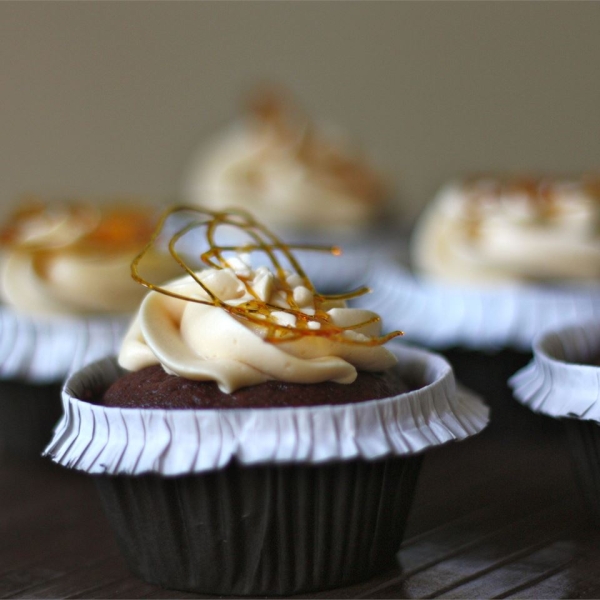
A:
(111, 440)
(555, 382)
(43, 350)
(441, 315)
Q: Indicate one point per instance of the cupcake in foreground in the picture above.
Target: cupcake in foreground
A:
(563, 382)
(67, 294)
(277, 165)
(253, 423)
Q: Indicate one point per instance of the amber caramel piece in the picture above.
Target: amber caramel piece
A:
(258, 312)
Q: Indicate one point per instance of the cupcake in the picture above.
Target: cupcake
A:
(494, 232)
(255, 424)
(563, 382)
(67, 296)
(496, 260)
(294, 176)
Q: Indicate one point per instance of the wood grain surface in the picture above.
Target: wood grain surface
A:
(498, 516)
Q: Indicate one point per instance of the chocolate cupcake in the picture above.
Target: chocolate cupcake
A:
(496, 261)
(66, 296)
(260, 426)
(563, 382)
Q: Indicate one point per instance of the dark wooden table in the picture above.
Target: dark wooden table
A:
(497, 516)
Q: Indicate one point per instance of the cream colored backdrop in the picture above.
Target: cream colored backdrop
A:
(106, 97)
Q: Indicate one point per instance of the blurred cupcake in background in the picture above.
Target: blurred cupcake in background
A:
(67, 258)
(563, 382)
(287, 171)
(497, 231)
(67, 295)
(305, 181)
(497, 260)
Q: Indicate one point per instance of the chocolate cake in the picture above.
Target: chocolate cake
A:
(152, 387)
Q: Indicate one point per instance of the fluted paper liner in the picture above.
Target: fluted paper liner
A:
(112, 440)
(43, 350)
(557, 382)
(36, 355)
(442, 315)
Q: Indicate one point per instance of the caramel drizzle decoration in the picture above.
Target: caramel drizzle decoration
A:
(257, 312)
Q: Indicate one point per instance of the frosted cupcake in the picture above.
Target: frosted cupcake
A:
(292, 175)
(67, 295)
(495, 232)
(256, 424)
(563, 382)
(496, 260)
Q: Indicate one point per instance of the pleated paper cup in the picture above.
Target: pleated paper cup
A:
(283, 500)
(563, 382)
(36, 356)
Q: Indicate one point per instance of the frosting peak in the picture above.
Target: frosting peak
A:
(239, 326)
(276, 163)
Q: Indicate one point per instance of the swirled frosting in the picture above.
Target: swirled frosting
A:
(489, 230)
(205, 342)
(280, 168)
(65, 258)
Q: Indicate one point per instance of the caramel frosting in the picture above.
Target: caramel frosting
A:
(204, 342)
(239, 326)
(277, 165)
(490, 230)
(65, 258)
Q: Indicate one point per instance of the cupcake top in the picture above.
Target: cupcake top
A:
(238, 325)
(276, 164)
(68, 258)
(499, 230)
(232, 325)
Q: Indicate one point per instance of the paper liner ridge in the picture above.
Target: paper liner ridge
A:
(114, 440)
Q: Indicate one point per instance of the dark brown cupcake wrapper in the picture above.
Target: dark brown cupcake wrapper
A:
(28, 414)
(272, 529)
(487, 373)
(583, 438)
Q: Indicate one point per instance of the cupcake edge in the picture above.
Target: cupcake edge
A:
(556, 382)
(109, 440)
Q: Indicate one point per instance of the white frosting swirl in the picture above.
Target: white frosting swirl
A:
(281, 169)
(62, 259)
(486, 231)
(205, 342)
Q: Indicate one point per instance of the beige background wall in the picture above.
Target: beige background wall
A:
(113, 97)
